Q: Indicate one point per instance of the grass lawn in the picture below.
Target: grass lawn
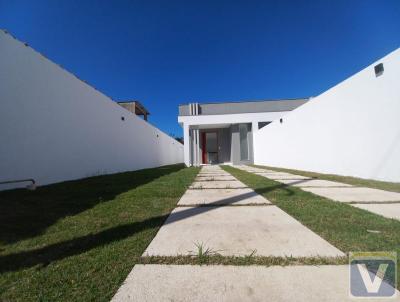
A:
(383, 185)
(78, 240)
(344, 226)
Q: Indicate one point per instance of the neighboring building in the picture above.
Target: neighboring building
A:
(135, 107)
(223, 132)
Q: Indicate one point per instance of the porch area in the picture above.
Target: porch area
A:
(220, 144)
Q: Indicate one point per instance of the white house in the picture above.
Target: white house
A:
(223, 132)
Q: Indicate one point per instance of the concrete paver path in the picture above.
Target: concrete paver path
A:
(216, 197)
(158, 283)
(218, 184)
(356, 194)
(231, 230)
(234, 222)
(237, 231)
(373, 200)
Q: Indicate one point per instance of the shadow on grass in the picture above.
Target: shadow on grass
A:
(25, 214)
(76, 246)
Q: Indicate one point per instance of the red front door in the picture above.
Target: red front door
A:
(203, 148)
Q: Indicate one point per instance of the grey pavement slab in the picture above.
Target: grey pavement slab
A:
(213, 171)
(156, 283)
(222, 197)
(202, 171)
(237, 231)
(215, 178)
(312, 183)
(226, 175)
(234, 184)
(211, 168)
(355, 194)
(214, 175)
(388, 210)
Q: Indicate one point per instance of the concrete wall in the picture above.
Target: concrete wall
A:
(54, 127)
(351, 129)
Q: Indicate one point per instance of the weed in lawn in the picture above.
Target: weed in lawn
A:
(203, 253)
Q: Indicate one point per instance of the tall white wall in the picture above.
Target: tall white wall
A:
(55, 127)
(351, 129)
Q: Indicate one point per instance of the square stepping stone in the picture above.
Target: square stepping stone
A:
(388, 210)
(211, 170)
(237, 231)
(312, 183)
(213, 173)
(234, 184)
(214, 178)
(156, 283)
(217, 197)
(355, 194)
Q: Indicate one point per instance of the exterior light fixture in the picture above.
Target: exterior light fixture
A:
(379, 69)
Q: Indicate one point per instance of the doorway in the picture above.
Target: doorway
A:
(209, 147)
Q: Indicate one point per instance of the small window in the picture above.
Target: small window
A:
(379, 69)
(262, 124)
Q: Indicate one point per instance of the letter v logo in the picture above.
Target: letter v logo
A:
(372, 286)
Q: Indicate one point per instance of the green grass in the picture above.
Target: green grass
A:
(383, 185)
(78, 240)
(342, 225)
(216, 259)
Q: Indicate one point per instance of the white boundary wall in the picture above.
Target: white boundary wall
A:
(55, 127)
(351, 129)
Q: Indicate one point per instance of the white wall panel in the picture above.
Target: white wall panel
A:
(351, 129)
(55, 127)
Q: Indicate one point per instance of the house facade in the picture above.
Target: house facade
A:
(217, 133)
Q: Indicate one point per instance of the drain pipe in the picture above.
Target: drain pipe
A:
(31, 187)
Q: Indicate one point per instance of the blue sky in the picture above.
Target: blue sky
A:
(165, 53)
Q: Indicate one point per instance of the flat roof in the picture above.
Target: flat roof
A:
(254, 106)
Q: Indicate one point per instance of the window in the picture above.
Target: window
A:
(244, 144)
(262, 124)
